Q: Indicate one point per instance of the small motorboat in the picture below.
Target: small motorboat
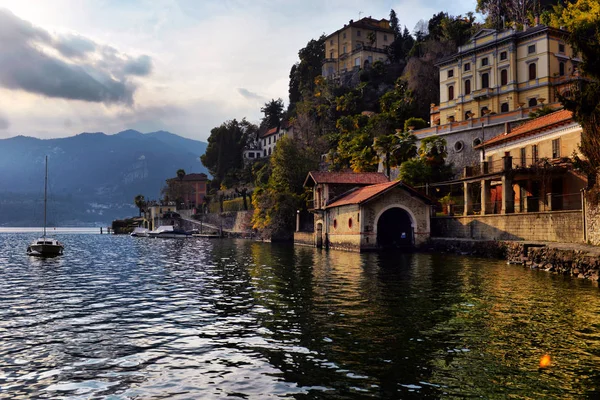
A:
(140, 232)
(45, 247)
(169, 232)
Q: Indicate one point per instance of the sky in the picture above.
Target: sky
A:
(185, 66)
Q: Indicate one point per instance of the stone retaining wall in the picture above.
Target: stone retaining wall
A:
(304, 238)
(555, 226)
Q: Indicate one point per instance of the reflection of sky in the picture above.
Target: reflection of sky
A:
(212, 60)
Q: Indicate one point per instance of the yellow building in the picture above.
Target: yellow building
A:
(502, 71)
(357, 45)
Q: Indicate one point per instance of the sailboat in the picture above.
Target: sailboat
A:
(44, 246)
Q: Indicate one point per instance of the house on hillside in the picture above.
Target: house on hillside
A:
(267, 142)
(494, 81)
(190, 191)
(357, 45)
(364, 211)
(527, 169)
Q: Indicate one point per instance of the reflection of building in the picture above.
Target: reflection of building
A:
(357, 45)
(359, 212)
(191, 190)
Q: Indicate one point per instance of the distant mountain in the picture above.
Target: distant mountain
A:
(98, 175)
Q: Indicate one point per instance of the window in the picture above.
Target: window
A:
(531, 49)
(484, 111)
(532, 102)
(468, 86)
(484, 62)
(331, 54)
(358, 33)
(561, 68)
(385, 38)
(269, 139)
(503, 55)
(344, 35)
(504, 107)
(344, 50)
(532, 71)
(459, 146)
(485, 80)
(468, 114)
(357, 62)
(561, 47)
(450, 73)
(534, 153)
(331, 42)
(556, 148)
(504, 77)
(264, 152)
(450, 92)
(269, 151)
(335, 224)
(264, 142)
(467, 66)
(476, 142)
(523, 157)
(349, 222)
(251, 155)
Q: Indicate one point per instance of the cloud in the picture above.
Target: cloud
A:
(140, 66)
(65, 66)
(4, 123)
(249, 95)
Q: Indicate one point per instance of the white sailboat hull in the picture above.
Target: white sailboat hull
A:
(45, 247)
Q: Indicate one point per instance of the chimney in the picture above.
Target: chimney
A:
(525, 27)
(537, 20)
(507, 127)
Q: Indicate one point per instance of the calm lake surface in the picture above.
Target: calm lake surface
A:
(135, 318)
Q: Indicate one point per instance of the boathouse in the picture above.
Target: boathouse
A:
(370, 213)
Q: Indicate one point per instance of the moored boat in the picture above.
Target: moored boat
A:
(140, 232)
(169, 232)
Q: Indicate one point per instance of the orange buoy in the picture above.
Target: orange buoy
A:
(545, 361)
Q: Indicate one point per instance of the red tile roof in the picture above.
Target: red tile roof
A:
(363, 178)
(364, 194)
(549, 121)
(270, 132)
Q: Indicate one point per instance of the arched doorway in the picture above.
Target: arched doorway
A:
(319, 235)
(395, 229)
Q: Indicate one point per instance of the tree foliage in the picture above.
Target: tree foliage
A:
(224, 153)
(273, 113)
(430, 166)
(140, 202)
(303, 73)
(582, 20)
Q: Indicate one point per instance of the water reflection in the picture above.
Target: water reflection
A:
(119, 317)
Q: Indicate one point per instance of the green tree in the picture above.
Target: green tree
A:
(140, 202)
(385, 145)
(226, 145)
(180, 174)
(394, 23)
(405, 147)
(582, 20)
(303, 73)
(273, 113)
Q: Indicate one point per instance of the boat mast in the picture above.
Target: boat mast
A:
(45, 195)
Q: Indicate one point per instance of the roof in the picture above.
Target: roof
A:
(270, 132)
(366, 23)
(191, 177)
(546, 122)
(367, 193)
(348, 178)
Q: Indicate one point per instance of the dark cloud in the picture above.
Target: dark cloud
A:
(25, 64)
(249, 95)
(4, 124)
(140, 66)
(74, 46)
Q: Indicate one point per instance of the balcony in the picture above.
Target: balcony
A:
(483, 93)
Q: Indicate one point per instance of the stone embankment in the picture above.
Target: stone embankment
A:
(576, 260)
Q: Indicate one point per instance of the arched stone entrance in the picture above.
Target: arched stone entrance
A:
(395, 229)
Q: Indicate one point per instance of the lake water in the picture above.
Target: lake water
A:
(134, 318)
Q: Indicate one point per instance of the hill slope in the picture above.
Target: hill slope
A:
(97, 175)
